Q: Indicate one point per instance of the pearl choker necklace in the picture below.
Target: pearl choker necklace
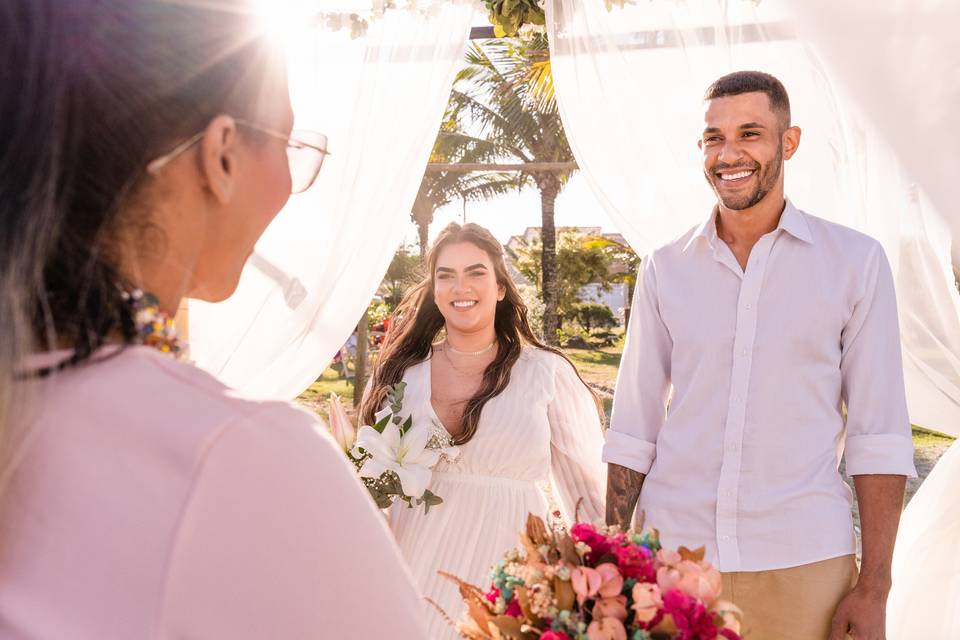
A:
(470, 353)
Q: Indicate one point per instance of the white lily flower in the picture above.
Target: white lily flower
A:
(406, 455)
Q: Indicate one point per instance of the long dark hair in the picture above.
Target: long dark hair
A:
(91, 92)
(417, 322)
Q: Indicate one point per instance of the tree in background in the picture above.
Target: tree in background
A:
(627, 266)
(506, 93)
(404, 272)
(438, 189)
(593, 315)
(580, 259)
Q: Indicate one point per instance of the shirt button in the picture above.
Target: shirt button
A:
(724, 537)
(732, 446)
(749, 306)
(743, 352)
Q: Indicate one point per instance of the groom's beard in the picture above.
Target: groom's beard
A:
(767, 177)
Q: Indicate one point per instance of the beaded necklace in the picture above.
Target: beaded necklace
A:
(155, 327)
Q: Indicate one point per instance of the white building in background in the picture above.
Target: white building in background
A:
(614, 297)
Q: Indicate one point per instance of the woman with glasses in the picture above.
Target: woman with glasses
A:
(145, 148)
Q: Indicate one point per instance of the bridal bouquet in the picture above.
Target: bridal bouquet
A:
(598, 584)
(395, 456)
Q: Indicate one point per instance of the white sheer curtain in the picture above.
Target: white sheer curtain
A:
(379, 99)
(876, 88)
(905, 76)
(629, 83)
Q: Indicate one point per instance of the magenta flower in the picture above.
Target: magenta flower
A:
(636, 562)
(554, 635)
(692, 619)
(492, 595)
(513, 609)
(599, 544)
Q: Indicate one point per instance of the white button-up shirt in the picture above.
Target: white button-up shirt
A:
(733, 384)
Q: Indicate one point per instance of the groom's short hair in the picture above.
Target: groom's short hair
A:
(739, 82)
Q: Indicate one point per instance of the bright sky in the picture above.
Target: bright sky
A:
(505, 216)
(509, 215)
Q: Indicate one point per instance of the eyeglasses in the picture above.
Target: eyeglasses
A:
(305, 153)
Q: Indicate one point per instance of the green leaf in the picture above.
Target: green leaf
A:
(380, 426)
(390, 483)
(428, 500)
(381, 499)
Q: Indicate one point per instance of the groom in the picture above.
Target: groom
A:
(762, 346)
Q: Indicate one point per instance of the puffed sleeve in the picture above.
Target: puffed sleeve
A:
(279, 540)
(576, 444)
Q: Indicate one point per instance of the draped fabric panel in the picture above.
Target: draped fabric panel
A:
(629, 82)
(379, 99)
(875, 87)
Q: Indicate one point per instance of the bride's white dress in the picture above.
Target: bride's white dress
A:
(543, 427)
(925, 599)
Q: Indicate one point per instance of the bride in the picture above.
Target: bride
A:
(517, 409)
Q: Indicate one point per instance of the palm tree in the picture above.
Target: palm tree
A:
(506, 93)
(438, 189)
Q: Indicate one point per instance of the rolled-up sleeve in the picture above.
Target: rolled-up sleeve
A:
(878, 428)
(643, 382)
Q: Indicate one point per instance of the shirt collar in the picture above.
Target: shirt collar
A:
(707, 229)
(792, 220)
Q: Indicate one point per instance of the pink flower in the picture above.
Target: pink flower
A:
(606, 629)
(340, 426)
(669, 557)
(554, 635)
(647, 601)
(599, 544)
(668, 578)
(513, 609)
(699, 580)
(604, 581)
(492, 595)
(615, 607)
(586, 582)
(635, 562)
(692, 619)
(612, 581)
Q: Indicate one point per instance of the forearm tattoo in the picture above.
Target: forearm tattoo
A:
(623, 491)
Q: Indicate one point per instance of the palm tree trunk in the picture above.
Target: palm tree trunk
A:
(549, 188)
(626, 311)
(423, 231)
(360, 363)
(422, 216)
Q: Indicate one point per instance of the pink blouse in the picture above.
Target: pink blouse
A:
(152, 502)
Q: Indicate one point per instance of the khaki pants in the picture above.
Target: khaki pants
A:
(791, 604)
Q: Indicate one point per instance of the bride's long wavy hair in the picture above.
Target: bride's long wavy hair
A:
(417, 322)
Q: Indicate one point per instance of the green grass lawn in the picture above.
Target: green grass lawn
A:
(924, 438)
(597, 365)
(316, 396)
